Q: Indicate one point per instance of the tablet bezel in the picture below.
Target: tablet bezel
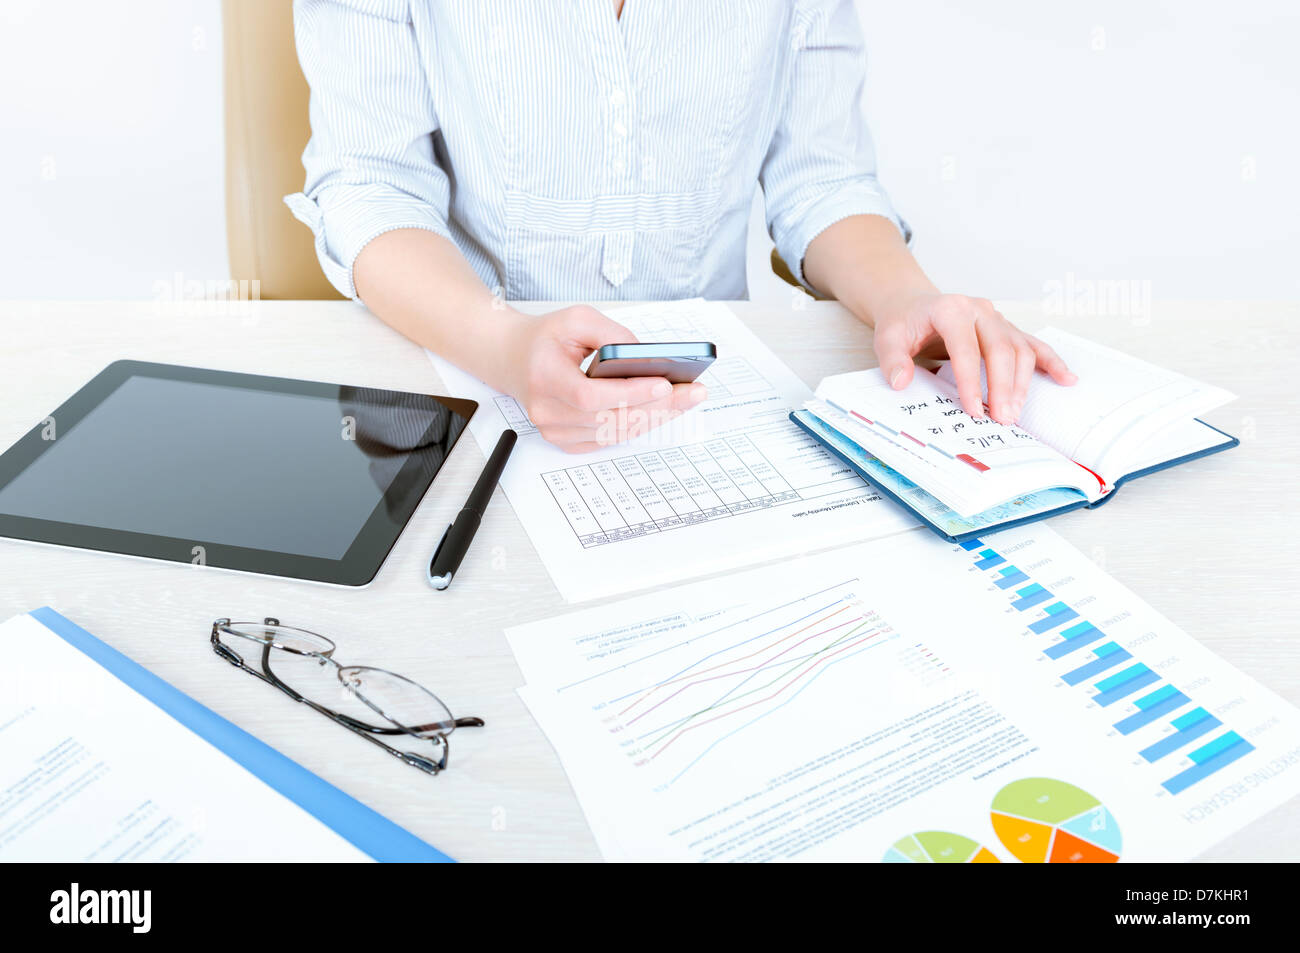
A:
(358, 566)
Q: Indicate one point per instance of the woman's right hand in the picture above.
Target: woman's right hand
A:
(420, 284)
(574, 412)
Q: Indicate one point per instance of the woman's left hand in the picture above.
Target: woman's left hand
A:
(966, 330)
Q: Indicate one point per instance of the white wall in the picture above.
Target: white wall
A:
(1119, 140)
(1148, 140)
(1133, 139)
(111, 172)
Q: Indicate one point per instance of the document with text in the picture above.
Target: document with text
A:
(91, 771)
(731, 482)
(906, 700)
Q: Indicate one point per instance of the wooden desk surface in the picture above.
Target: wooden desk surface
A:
(1214, 546)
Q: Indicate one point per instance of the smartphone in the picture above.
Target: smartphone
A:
(679, 361)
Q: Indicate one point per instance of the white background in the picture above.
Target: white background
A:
(1148, 140)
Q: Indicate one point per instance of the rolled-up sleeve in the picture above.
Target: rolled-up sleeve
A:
(370, 162)
(821, 165)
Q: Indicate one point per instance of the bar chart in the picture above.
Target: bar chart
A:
(1112, 677)
(1030, 596)
(1105, 657)
(1151, 707)
(1207, 759)
(1058, 613)
(1112, 689)
(1011, 576)
(1187, 729)
(1075, 638)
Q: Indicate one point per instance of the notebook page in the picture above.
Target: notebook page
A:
(925, 504)
(1118, 404)
(1180, 440)
(921, 430)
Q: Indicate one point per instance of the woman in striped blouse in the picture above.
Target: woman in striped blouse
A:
(467, 154)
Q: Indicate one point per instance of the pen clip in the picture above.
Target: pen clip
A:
(444, 580)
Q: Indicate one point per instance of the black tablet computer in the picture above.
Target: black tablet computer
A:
(238, 471)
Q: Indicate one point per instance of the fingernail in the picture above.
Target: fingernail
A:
(698, 393)
(661, 389)
(1007, 412)
(1016, 408)
(893, 380)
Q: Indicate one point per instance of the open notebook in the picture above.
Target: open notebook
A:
(1072, 446)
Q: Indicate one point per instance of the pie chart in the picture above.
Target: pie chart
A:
(1043, 820)
(938, 847)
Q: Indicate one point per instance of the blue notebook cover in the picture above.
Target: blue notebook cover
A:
(368, 831)
(951, 526)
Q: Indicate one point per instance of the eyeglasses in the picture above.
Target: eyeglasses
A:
(301, 664)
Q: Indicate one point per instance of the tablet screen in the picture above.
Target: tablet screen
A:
(296, 471)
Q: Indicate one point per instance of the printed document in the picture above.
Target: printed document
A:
(91, 771)
(731, 482)
(910, 701)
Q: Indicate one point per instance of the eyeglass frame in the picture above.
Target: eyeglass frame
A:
(361, 728)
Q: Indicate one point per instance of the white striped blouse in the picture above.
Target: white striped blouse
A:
(572, 154)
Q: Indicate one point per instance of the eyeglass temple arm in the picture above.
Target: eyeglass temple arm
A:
(415, 760)
(437, 727)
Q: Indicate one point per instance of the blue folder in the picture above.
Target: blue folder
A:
(368, 831)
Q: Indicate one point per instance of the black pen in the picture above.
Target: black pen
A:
(455, 541)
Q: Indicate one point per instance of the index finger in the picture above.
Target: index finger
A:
(1051, 362)
(964, 351)
(591, 394)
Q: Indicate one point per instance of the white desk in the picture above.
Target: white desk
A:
(1213, 546)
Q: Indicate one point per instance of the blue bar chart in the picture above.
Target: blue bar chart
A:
(1058, 613)
(1107, 656)
(1030, 596)
(1187, 729)
(1207, 759)
(1150, 707)
(1076, 637)
(1011, 576)
(1112, 689)
(1113, 676)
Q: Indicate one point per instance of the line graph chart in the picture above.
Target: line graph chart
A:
(726, 690)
